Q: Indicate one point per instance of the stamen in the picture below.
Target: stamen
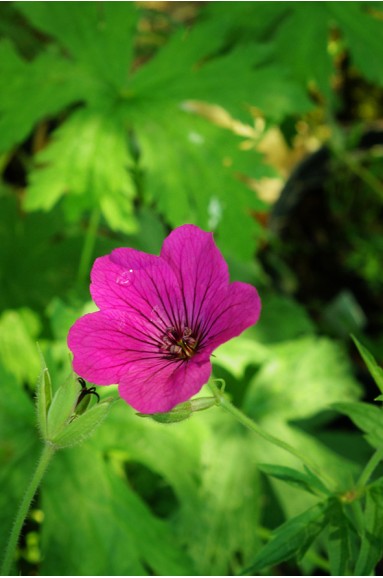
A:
(179, 343)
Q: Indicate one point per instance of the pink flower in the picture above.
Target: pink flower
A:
(160, 319)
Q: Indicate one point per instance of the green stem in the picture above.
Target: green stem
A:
(89, 243)
(373, 462)
(253, 426)
(22, 513)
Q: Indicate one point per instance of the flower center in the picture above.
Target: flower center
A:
(179, 344)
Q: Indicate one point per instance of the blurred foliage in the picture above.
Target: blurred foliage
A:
(120, 121)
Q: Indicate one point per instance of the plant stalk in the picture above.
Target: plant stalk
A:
(253, 426)
(24, 507)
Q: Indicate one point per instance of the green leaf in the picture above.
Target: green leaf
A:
(99, 37)
(372, 539)
(366, 417)
(91, 512)
(363, 34)
(92, 169)
(18, 352)
(234, 81)
(238, 354)
(46, 270)
(306, 481)
(199, 176)
(210, 466)
(339, 544)
(282, 319)
(307, 59)
(293, 538)
(300, 378)
(374, 369)
(50, 82)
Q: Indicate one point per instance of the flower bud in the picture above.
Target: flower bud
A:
(69, 417)
(82, 426)
(182, 411)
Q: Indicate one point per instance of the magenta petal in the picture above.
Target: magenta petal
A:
(105, 343)
(112, 276)
(156, 386)
(151, 291)
(239, 309)
(200, 269)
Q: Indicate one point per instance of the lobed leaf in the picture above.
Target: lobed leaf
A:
(100, 37)
(92, 170)
(50, 82)
(108, 530)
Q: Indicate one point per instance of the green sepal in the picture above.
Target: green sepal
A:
(62, 407)
(82, 426)
(43, 396)
(182, 411)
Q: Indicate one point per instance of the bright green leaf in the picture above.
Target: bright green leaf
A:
(373, 367)
(367, 417)
(91, 168)
(196, 180)
(300, 378)
(18, 351)
(90, 512)
(208, 462)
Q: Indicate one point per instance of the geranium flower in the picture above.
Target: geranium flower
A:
(160, 319)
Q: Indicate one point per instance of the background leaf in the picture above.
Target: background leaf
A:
(372, 543)
(293, 538)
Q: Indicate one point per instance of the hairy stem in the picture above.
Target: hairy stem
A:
(253, 426)
(24, 507)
